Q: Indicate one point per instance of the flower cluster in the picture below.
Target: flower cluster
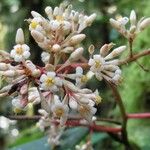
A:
(61, 31)
(103, 66)
(135, 26)
(60, 85)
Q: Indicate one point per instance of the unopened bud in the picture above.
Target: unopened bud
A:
(24, 89)
(132, 29)
(35, 14)
(76, 39)
(145, 23)
(48, 11)
(56, 48)
(115, 52)
(90, 19)
(115, 23)
(20, 36)
(9, 73)
(68, 49)
(37, 36)
(133, 17)
(36, 73)
(56, 11)
(76, 54)
(3, 67)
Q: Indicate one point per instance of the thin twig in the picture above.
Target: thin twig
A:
(123, 114)
(139, 116)
(71, 123)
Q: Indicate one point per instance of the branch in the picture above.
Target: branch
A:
(134, 57)
(72, 123)
(123, 114)
(139, 116)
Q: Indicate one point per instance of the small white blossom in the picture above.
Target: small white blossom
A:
(50, 82)
(60, 110)
(20, 52)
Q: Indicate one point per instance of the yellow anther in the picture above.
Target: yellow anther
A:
(98, 99)
(34, 24)
(60, 18)
(59, 112)
(49, 81)
(97, 64)
(84, 78)
(19, 50)
(17, 110)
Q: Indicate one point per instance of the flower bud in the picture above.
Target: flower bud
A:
(145, 23)
(115, 24)
(76, 39)
(115, 52)
(133, 17)
(68, 49)
(48, 11)
(56, 48)
(90, 19)
(36, 73)
(35, 14)
(132, 29)
(43, 112)
(37, 36)
(19, 36)
(24, 89)
(3, 67)
(76, 54)
(56, 11)
(9, 73)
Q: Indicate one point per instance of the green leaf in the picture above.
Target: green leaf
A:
(69, 139)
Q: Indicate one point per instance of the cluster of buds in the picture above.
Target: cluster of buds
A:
(61, 31)
(135, 26)
(59, 86)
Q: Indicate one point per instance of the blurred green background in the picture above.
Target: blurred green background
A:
(135, 89)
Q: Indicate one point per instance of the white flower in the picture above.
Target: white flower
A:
(96, 63)
(20, 52)
(50, 82)
(18, 104)
(80, 78)
(104, 67)
(35, 24)
(60, 110)
(87, 111)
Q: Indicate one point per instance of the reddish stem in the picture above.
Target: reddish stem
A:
(139, 116)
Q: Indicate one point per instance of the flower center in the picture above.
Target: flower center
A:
(59, 18)
(34, 24)
(97, 64)
(50, 81)
(84, 109)
(84, 78)
(19, 50)
(59, 112)
(98, 99)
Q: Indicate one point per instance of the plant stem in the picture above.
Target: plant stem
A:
(72, 123)
(130, 48)
(139, 116)
(123, 114)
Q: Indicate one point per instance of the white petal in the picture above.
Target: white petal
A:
(73, 104)
(51, 74)
(26, 54)
(43, 78)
